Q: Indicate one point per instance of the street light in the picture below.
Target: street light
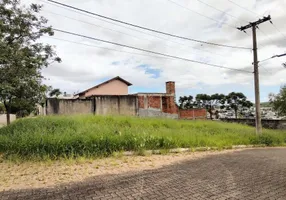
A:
(275, 56)
(281, 55)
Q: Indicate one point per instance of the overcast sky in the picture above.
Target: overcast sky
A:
(86, 65)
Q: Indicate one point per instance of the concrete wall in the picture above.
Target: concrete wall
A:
(100, 105)
(69, 106)
(116, 105)
(114, 87)
(193, 114)
(3, 120)
(151, 112)
(111, 105)
(266, 123)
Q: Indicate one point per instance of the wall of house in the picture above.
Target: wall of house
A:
(114, 87)
(68, 106)
(100, 105)
(266, 123)
(193, 114)
(116, 105)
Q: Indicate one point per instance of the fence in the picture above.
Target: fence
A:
(129, 105)
(101, 105)
(193, 114)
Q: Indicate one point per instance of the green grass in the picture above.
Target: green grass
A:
(57, 137)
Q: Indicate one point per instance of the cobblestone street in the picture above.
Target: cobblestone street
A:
(248, 174)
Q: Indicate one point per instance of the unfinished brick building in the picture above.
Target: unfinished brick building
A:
(159, 104)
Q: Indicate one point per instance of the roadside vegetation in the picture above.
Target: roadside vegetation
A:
(57, 137)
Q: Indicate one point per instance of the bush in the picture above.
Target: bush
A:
(268, 140)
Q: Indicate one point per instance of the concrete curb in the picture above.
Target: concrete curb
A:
(183, 150)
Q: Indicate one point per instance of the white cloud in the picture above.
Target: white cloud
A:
(85, 65)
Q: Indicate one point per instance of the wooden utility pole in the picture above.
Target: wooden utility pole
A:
(254, 26)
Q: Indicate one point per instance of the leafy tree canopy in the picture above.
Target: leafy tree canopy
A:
(237, 101)
(186, 102)
(55, 92)
(21, 56)
(210, 101)
(234, 101)
(279, 101)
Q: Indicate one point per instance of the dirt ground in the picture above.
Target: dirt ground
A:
(50, 174)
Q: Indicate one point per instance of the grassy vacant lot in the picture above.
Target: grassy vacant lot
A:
(93, 136)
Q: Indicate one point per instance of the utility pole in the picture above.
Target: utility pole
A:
(254, 26)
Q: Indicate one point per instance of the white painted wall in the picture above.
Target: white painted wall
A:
(3, 119)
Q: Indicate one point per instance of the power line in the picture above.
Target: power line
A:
(148, 29)
(148, 51)
(250, 11)
(265, 60)
(210, 52)
(278, 30)
(257, 15)
(253, 13)
(109, 49)
(266, 35)
(265, 69)
(221, 11)
(92, 24)
(229, 15)
(139, 31)
(210, 18)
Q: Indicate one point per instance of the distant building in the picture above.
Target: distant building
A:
(115, 86)
(112, 98)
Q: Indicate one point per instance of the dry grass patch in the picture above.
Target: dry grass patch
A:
(26, 175)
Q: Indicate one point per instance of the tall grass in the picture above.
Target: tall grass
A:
(56, 137)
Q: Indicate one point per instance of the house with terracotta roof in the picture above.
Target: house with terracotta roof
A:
(114, 86)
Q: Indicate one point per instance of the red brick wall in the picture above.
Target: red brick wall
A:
(167, 102)
(141, 101)
(193, 113)
(169, 105)
(154, 102)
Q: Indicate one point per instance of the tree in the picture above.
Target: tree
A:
(186, 102)
(209, 102)
(22, 108)
(55, 92)
(279, 101)
(21, 57)
(237, 101)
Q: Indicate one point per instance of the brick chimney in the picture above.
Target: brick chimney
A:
(170, 105)
(170, 87)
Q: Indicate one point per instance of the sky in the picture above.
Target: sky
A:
(86, 63)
